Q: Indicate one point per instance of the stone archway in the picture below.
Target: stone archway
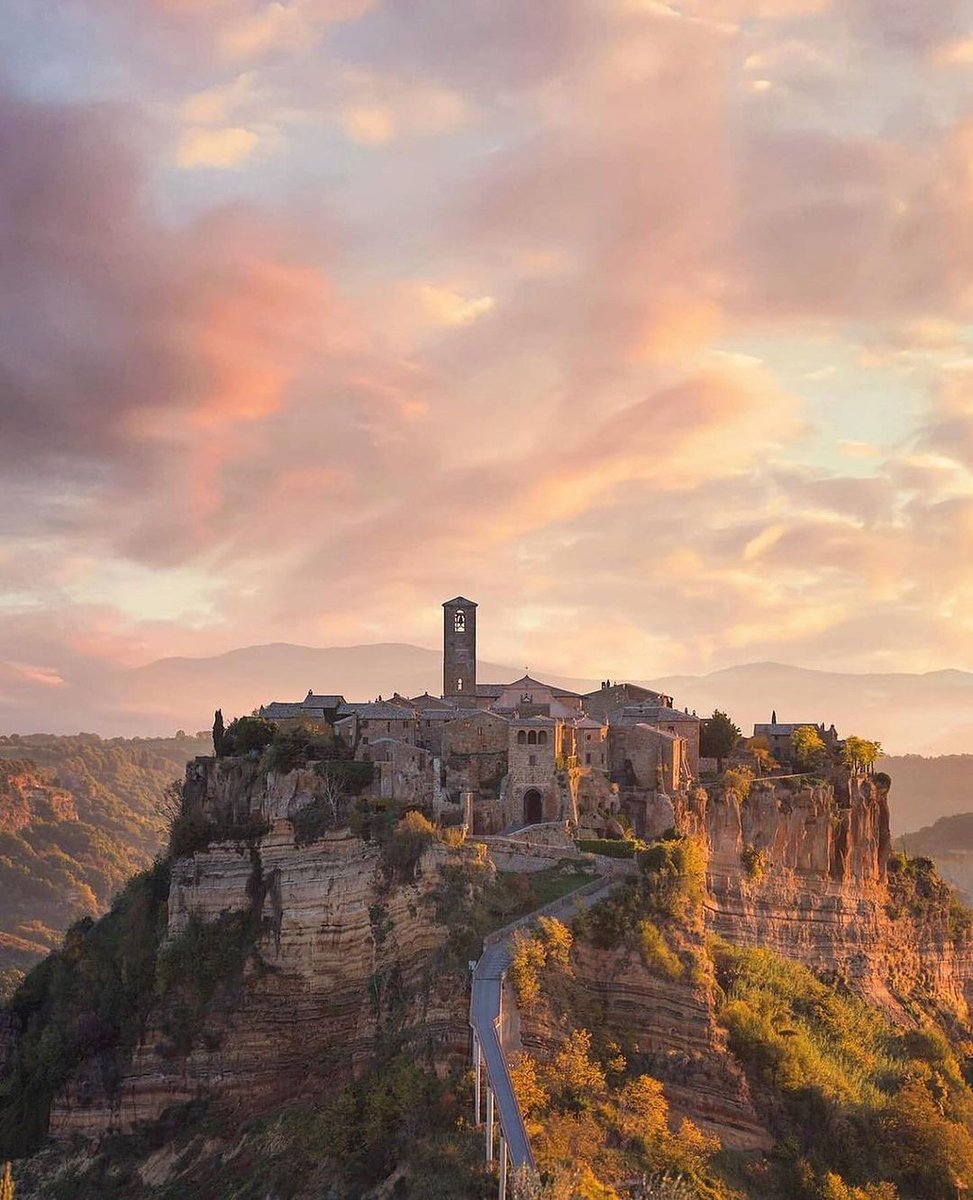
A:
(533, 807)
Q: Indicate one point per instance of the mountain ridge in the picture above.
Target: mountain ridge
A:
(927, 713)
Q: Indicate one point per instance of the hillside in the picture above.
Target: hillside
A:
(284, 1015)
(78, 816)
(925, 789)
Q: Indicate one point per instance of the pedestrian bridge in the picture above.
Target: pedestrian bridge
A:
(489, 997)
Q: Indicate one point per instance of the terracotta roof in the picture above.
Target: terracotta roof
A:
(527, 682)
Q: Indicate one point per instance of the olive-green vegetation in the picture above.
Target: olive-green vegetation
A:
(610, 847)
(397, 1122)
(85, 1002)
(718, 737)
(78, 817)
(855, 1102)
(861, 1109)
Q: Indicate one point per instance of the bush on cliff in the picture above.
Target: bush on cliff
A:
(405, 846)
(855, 1102)
(248, 735)
(87, 1000)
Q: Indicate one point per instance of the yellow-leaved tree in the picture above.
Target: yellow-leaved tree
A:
(7, 1183)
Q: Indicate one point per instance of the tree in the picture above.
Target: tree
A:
(859, 754)
(7, 1184)
(219, 734)
(718, 738)
(810, 751)
(248, 733)
(763, 755)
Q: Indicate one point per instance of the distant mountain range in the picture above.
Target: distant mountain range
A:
(920, 714)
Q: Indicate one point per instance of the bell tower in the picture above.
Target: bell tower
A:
(459, 649)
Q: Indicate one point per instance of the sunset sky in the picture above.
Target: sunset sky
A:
(647, 325)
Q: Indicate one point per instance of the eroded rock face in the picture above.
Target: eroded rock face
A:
(343, 957)
(803, 872)
(665, 1027)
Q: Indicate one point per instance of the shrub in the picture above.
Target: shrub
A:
(739, 780)
(528, 959)
(754, 862)
(247, 734)
(405, 846)
(610, 847)
(656, 952)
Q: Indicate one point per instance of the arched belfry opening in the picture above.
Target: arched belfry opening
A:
(459, 648)
(533, 807)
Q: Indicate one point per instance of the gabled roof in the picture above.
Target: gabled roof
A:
(376, 712)
(527, 682)
(655, 712)
(313, 701)
(459, 602)
(427, 701)
(280, 710)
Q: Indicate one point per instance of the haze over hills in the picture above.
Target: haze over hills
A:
(910, 714)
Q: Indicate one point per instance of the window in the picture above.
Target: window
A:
(532, 760)
(364, 740)
(459, 685)
(459, 621)
(587, 760)
(532, 738)
(542, 738)
(521, 738)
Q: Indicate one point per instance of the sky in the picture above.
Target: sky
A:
(645, 324)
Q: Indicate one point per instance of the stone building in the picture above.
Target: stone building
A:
(780, 733)
(514, 753)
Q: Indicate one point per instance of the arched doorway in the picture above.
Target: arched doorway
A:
(533, 806)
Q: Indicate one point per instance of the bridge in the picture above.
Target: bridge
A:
(491, 1071)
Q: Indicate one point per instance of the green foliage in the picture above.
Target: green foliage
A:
(219, 734)
(656, 952)
(754, 862)
(740, 780)
(718, 737)
(810, 752)
(206, 957)
(405, 846)
(915, 888)
(87, 1001)
(859, 1100)
(297, 747)
(342, 779)
(248, 735)
(610, 847)
(675, 870)
(858, 753)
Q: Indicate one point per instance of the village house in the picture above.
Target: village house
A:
(513, 753)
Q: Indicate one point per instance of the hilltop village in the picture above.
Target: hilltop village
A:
(500, 756)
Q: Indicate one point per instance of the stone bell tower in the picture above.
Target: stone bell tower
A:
(459, 649)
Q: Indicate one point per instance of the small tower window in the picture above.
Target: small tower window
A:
(532, 738)
(542, 738)
(521, 737)
(459, 685)
(459, 621)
